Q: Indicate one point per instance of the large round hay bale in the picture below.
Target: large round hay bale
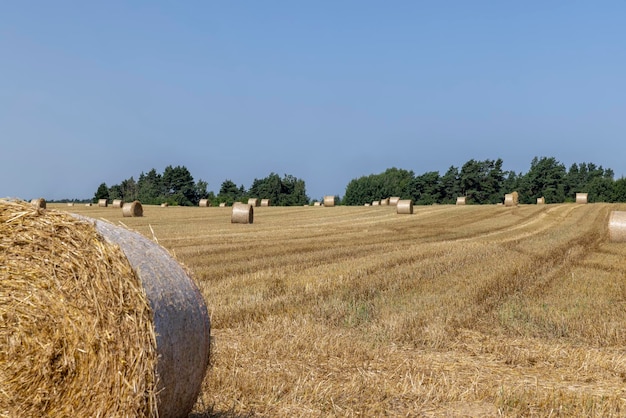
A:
(164, 204)
(204, 203)
(265, 202)
(70, 204)
(329, 201)
(617, 226)
(133, 209)
(317, 203)
(243, 213)
(405, 207)
(541, 200)
(253, 201)
(581, 198)
(376, 203)
(39, 203)
(103, 203)
(393, 201)
(117, 203)
(223, 205)
(460, 200)
(95, 320)
(511, 199)
(384, 202)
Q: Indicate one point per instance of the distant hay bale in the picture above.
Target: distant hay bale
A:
(384, 202)
(393, 201)
(541, 200)
(223, 205)
(581, 198)
(265, 202)
(103, 203)
(366, 204)
(317, 204)
(511, 199)
(405, 207)
(253, 201)
(329, 201)
(376, 203)
(164, 204)
(243, 213)
(617, 226)
(113, 325)
(87, 204)
(204, 203)
(133, 209)
(70, 204)
(117, 203)
(39, 203)
(460, 200)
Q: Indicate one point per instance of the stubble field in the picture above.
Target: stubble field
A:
(358, 311)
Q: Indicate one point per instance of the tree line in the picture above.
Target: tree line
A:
(485, 182)
(481, 182)
(176, 186)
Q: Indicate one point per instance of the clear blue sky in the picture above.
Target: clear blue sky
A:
(327, 91)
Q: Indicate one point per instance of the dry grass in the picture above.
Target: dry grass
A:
(454, 311)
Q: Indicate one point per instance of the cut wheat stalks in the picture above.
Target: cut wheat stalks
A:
(405, 207)
(133, 209)
(103, 203)
(617, 226)
(253, 201)
(329, 201)
(460, 200)
(117, 203)
(581, 198)
(393, 201)
(39, 203)
(265, 202)
(243, 213)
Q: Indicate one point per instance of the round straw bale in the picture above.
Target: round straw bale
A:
(223, 205)
(253, 201)
(133, 209)
(70, 204)
(384, 202)
(393, 201)
(86, 310)
(460, 200)
(265, 202)
(204, 203)
(329, 201)
(581, 198)
(541, 200)
(405, 207)
(103, 203)
(40, 203)
(117, 203)
(243, 213)
(317, 203)
(87, 204)
(617, 226)
(164, 204)
(376, 203)
(511, 199)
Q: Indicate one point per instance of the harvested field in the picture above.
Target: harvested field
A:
(453, 311)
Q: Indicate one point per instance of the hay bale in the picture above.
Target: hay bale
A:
(541, 200)
(104, 304)
(329, 201)
(88, 204)
(70, 204)
(511, 199)
(103, 203)
(253, 201)
(405, 207)
(117, 203)
(164, 204)
(265, 202)
(317, 204)
(133, 209)
(393, 201)
(376, 203)
(223, 205)
(384, 202)
(204, 203)
(243, 213)
(460, 200)
(617, 226)
(39, 203)
(581, 198)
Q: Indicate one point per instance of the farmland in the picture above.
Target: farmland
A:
(358, 311)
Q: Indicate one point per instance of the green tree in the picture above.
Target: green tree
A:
(482, 181)
(450, 186)
(229, 192)
(101, 193)
(425, 189)
(544, 179)
(179, 187)
(150, 188)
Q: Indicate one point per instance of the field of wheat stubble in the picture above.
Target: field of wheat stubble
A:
(360, 311)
